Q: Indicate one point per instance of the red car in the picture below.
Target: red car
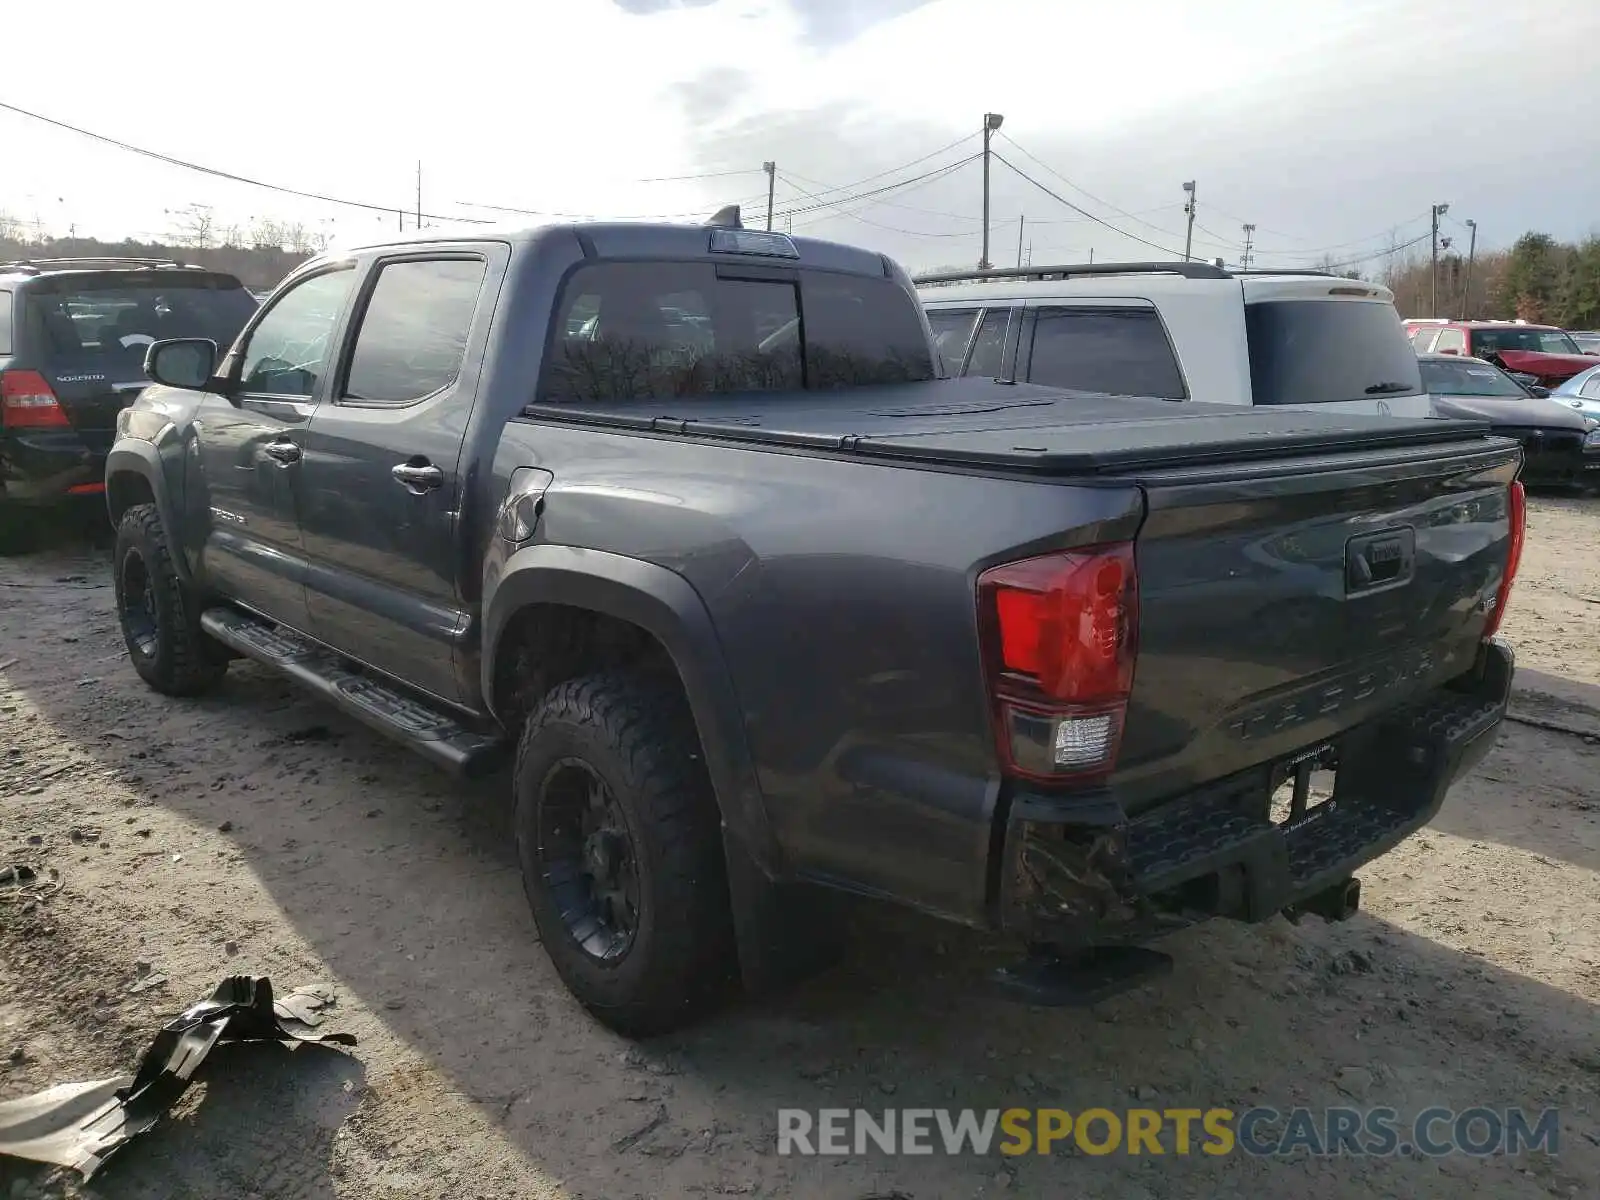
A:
(1543, 351)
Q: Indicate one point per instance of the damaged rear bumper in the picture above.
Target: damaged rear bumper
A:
(1077, 872)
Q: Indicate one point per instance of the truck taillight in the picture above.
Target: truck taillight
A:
(28, 402)
(1517, 511)
(1059, 637)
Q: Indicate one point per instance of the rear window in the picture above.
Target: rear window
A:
(1542, 341)
(625, 331)
(1124, 352)
(1328, 351)
(1468, 378)
(110, 322)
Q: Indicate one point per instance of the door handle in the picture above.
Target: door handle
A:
(284, 451)
(419, 475)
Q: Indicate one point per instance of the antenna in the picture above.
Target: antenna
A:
(726, 217)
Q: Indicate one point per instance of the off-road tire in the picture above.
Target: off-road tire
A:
(183, 660)
(636, 734)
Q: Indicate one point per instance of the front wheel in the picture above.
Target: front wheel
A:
(620, 846)
(160, 621)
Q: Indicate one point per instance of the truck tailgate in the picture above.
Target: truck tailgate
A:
(1283, 604)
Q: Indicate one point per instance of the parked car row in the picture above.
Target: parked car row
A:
(1550, 354)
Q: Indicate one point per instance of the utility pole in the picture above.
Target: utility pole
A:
(1466, 286)
(771, 168)
(1188, 207)
(1249, 233)
(1091, 256)
(991, 122)
(1438, 211)
(419, 193)
(1022, 220)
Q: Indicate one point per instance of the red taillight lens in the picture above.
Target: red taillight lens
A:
(1060, 636)
(28, 402)
(1517, 512)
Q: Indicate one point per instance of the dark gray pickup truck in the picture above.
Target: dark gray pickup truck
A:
(682, 521)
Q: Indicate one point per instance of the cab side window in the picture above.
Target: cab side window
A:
(413, 335)
(288, 351)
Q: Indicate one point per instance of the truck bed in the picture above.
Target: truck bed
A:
(1016, 427)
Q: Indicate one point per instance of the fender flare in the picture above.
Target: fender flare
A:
(133, 457)
(666, 605)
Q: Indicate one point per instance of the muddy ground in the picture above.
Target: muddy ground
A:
(255, 831)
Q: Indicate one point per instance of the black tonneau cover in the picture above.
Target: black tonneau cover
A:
(1017, 427)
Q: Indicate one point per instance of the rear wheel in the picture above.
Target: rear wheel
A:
(620, 845)
(160, 621)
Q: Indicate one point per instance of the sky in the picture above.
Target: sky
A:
(1332, 128)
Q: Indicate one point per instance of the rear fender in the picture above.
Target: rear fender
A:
(665, 605)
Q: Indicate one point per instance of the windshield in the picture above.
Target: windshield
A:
(1327, 351)
(109, 323)
(1544, 341)
(635, 331)
(1467, 378)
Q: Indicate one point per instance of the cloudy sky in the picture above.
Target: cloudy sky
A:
(1331, 127)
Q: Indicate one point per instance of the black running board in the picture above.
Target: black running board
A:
(432, 733)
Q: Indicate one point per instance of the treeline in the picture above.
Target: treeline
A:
(1539, 279)
(257, 267)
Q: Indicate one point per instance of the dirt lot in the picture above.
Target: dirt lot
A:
(255, 831)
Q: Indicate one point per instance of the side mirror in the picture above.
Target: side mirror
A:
(1534, 389)
(181, 362)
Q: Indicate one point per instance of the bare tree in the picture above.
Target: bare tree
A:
(10, 227)
(298, 238)
(266, 234)
(194, 226)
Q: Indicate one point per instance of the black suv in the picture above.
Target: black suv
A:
(73, 335)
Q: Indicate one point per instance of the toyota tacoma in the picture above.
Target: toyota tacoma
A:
(680, 522)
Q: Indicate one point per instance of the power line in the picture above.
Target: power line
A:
(845, 187)
(1023, 150)
(892, 228)
(1054, 195)
(228, 175)
(761, 197)
(706, 175)
(929, 176)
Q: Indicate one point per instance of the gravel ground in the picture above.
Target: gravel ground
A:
(256, 831)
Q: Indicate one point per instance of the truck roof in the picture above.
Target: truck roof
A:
(640, 239)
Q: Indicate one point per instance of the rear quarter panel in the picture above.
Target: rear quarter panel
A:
(843, 595)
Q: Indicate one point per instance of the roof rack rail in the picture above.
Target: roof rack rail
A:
(1189, 270)
(37, 265)
(1314, 272)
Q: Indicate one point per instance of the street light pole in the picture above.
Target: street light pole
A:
(1466, 287)
(1188, 207)
(991, 122)
(1438, 211)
